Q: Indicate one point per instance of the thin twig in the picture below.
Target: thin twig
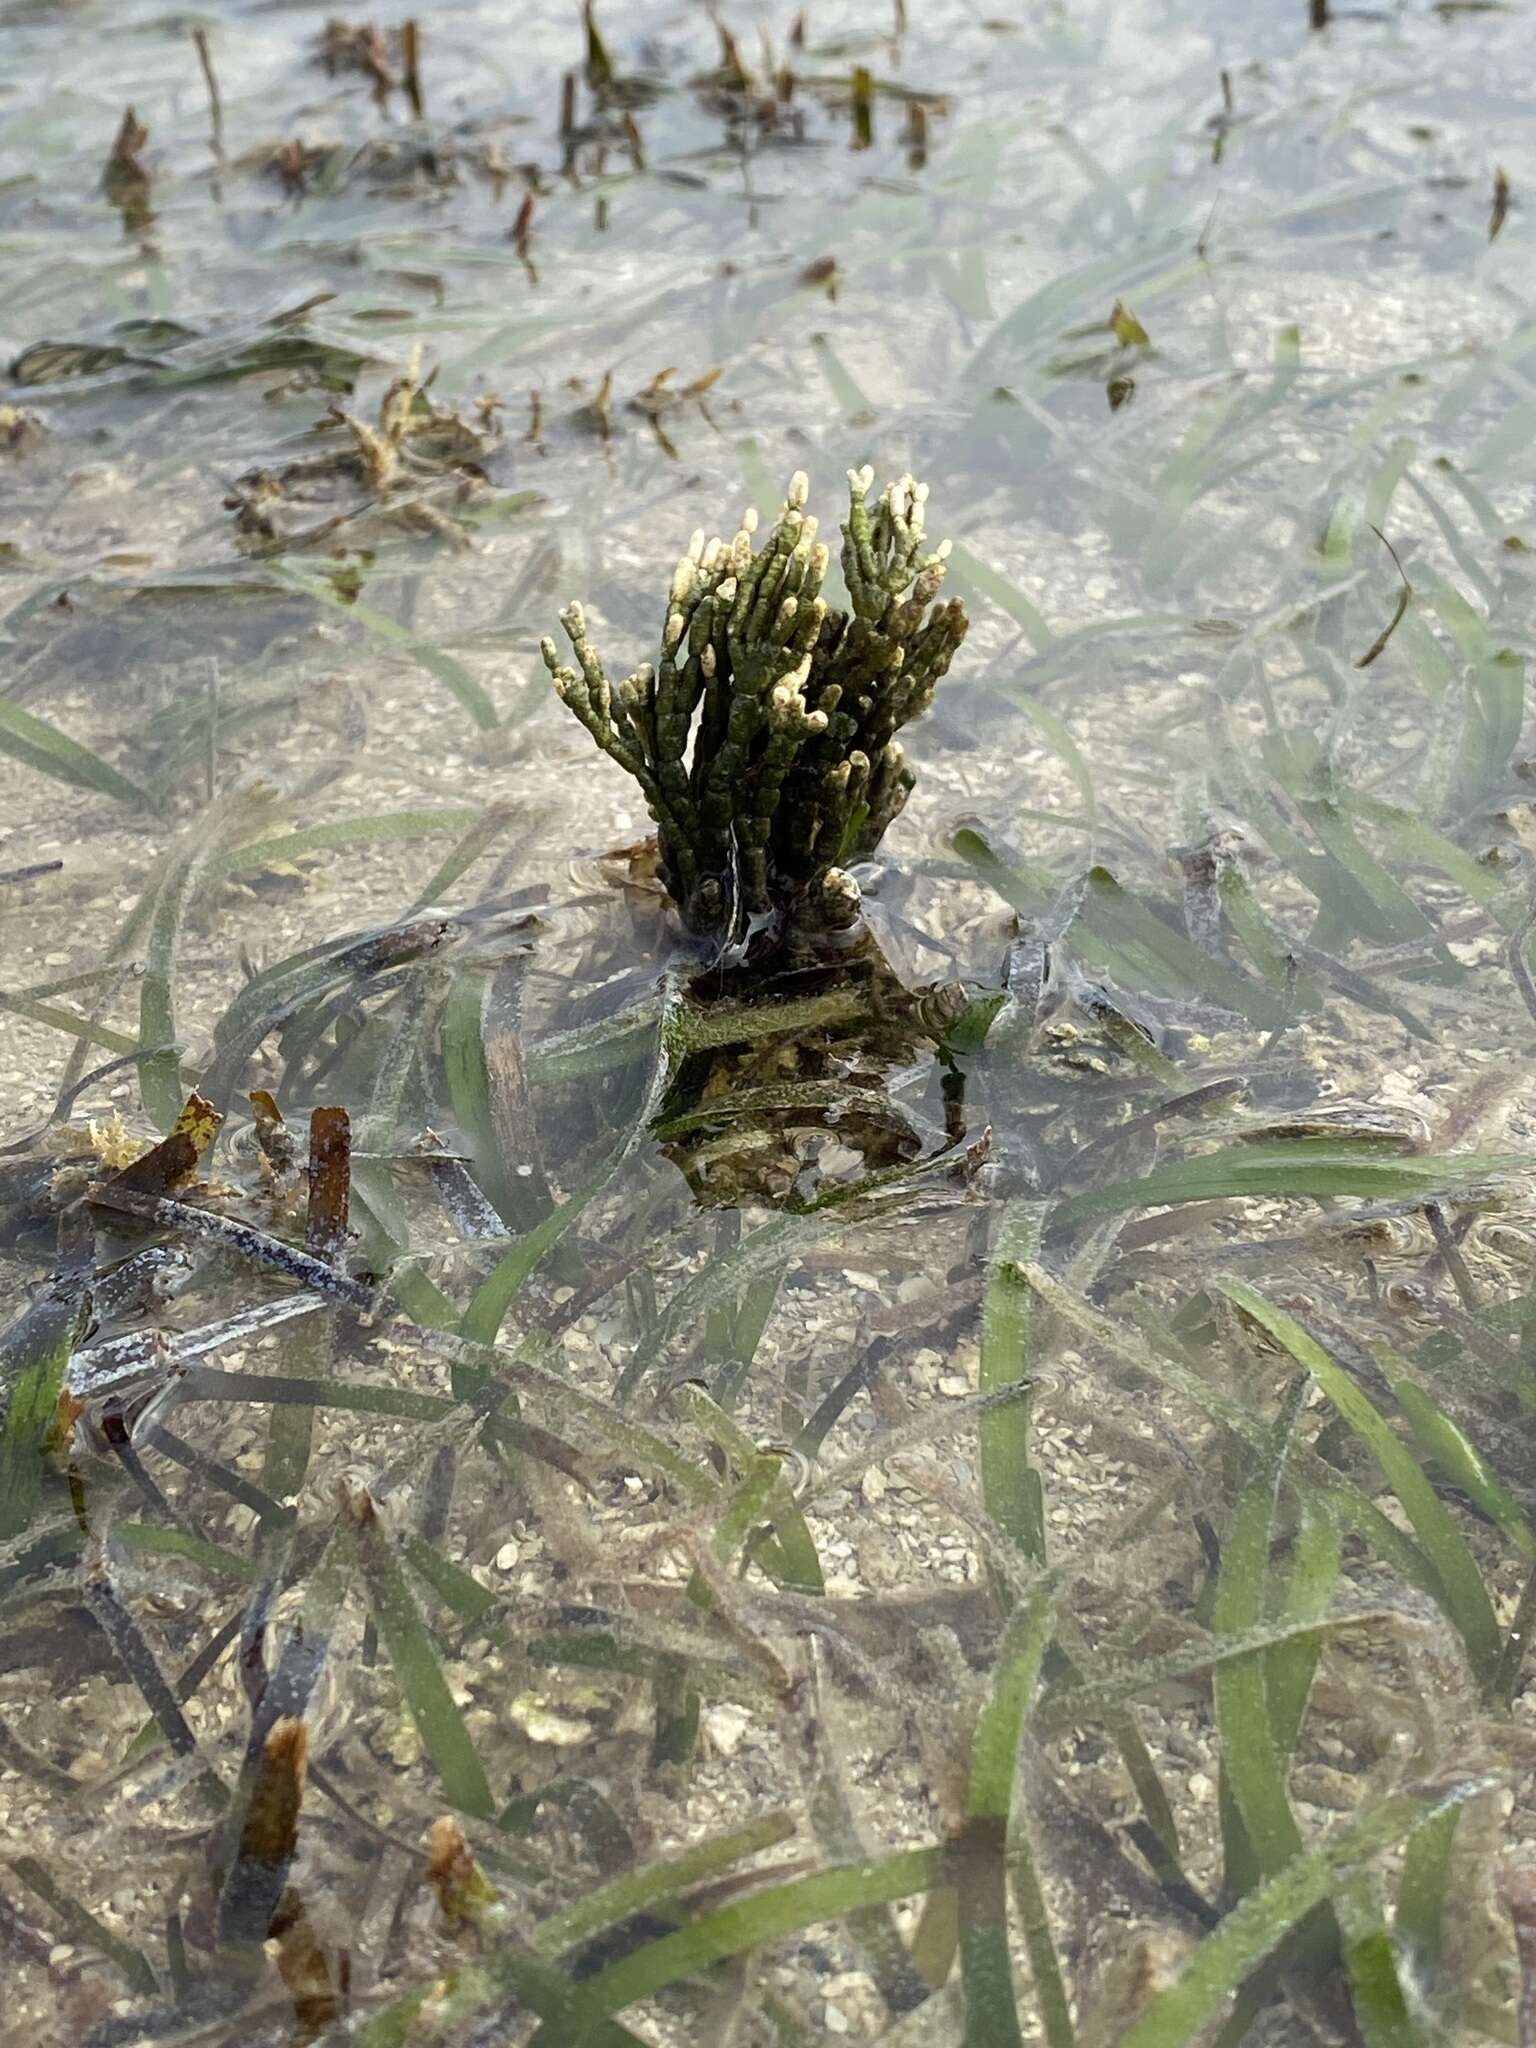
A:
(1403, 597)
(1205, 233)
(210, 78)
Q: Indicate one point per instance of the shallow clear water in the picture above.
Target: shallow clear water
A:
(1224, 849)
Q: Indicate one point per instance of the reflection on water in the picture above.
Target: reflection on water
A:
(552, 1548)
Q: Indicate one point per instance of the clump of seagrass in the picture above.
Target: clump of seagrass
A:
(764, 740)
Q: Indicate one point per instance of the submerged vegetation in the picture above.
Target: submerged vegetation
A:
(795, 771)
(946, 1456)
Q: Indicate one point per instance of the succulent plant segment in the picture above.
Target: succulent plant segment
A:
(764, 738)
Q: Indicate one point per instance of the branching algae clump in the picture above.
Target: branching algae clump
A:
(764, 740)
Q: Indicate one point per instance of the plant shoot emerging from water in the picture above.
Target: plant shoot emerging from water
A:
(764, 740)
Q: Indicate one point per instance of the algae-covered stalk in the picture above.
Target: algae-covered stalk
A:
(764, 739)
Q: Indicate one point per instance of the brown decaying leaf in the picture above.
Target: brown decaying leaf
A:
(597, 416)
(124, 163)
(291, 163)
(410, 57)
(279, 1154)
(318, 1999)
(917, 134)
(599, 63)
(413, 455)
(661, 395)
(357, 46)
(271, 1829)
(735, 74)
(464, 1893)
(863, 108)
(1500, 211)
(330, 1182)
(175, 1158)
(268, 1836)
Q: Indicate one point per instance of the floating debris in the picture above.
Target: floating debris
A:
(662, 397)
(417, 466)
(292, 162)
(20, 430)
(359, 46)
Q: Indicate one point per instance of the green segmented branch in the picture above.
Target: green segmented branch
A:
(764, 738)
